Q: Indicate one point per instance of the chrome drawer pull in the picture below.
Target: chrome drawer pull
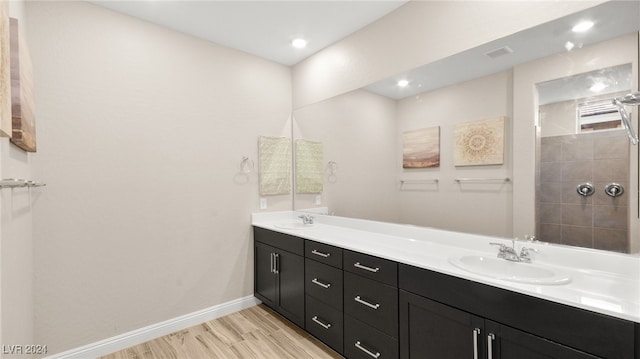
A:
(359, 346)
(324, 255)
(323, 285)
(358, 265)
(490, 338)
(276, 263)
(325, 326)
(374, 306)
(476, 333)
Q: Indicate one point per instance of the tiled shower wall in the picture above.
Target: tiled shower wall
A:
(563, 216)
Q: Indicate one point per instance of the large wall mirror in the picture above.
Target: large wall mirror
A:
(583, 160)
(445, 150)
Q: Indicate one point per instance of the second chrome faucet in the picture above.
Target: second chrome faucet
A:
(510, 253)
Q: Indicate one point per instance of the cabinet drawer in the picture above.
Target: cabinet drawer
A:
(371, 302)
(364, 342)
(324, 283)
(376, 268)
(323, 253)
(325, 323)
(279, 240)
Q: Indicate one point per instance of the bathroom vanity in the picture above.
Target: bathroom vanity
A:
(378, 290)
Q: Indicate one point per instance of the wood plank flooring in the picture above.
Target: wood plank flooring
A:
(256, 332)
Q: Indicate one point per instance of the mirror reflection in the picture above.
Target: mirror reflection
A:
(583, 150)
(363, 134)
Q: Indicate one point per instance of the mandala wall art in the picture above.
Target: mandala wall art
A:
(421, 148)
(479, 142)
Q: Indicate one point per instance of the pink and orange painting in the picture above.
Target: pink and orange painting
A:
(421, 148)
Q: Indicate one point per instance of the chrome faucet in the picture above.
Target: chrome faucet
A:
(510, 253)
(525, 254)
(306, 218)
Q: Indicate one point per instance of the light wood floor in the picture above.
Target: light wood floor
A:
(256, 332)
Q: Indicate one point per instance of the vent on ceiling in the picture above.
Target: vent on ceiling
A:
(506, 50)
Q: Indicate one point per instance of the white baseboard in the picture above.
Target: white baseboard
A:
(157, 330)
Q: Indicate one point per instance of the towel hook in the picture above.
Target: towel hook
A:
(246, 165)
(332, 168)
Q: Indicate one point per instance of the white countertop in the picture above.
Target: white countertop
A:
(602, 282)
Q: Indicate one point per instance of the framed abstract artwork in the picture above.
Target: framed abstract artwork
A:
(5, 72)
(421, 148)
(23, 120)
(479, 143)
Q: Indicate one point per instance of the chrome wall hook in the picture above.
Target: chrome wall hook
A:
(246, 165)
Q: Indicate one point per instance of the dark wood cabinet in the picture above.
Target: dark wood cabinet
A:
(365, 306)
(434, 330)
(323, 288)
(362, 341)
(376, 268)
(325, 323)
(265, 282)
(522, 326)
(429, 329)
(324, 283)
(510, 343)
(370, 307)
(279, 274)
(323, 253)
(371, 302)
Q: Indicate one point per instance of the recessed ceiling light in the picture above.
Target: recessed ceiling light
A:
(403, 83)
(582, 26)
(597, 87)
(299, 43)
(569, 45)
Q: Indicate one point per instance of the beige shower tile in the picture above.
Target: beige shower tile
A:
(611, 170)
(577, 148)
(581, 171)
(614, 217)
(611, 239)
(611, 147)
(577, 236)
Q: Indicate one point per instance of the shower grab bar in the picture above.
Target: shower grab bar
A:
(18, 183)
(482, 179)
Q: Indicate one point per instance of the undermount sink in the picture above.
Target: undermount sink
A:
(294, 225)
(511, 271)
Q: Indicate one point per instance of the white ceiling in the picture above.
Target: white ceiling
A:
(612, 19)
(263, 28)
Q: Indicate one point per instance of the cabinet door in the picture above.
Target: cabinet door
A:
(431, 330)
(265, 278)
(290, 268)
(509, 343)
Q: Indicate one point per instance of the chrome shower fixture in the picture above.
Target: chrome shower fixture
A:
(632, 99)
